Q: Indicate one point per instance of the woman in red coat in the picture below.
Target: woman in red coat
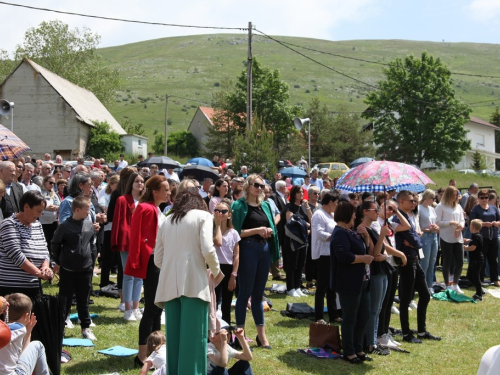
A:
(140, 263)
(120, 235)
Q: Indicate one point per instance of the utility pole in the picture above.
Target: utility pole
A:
(166, 124)
(249, 78)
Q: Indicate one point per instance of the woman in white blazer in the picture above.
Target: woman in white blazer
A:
(184, 246)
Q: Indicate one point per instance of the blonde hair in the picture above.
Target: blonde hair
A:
(477, 224)
(182, 187)
(449, 198)
(155, 340)
(428, 193)
(246, 187)
(115, 179)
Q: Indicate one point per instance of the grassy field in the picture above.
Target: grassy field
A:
(193, 67)
(467, 331)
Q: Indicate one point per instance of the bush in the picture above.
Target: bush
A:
(103, 142)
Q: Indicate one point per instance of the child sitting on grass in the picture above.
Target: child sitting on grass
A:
(476, 257)
(22, 356)
(219, 353)
(74, 251)
(157, 352)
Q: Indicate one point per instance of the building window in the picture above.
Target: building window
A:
(139, 142)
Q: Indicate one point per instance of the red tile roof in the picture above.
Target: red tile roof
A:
(482, 122)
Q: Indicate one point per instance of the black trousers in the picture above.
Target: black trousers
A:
(412, 278)
(490, 251)
(310, 268)
(223, 295)
(79, 283)
(151, 318)
(322, 289)
(295, 263)
(474, 273)
(48, 231)
(453, 254)
(106, 258)
(384, 318)
(30, 292)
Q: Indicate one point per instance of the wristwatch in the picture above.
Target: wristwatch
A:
(235, 274)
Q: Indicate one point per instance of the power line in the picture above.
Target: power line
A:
(122, 19)
(371, 61)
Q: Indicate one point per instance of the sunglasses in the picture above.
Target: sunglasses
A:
(372, 209)
(389, 208)
(51, 183)
(315, 193)
(258, 186)
(413, 201)
(483, 197)
(223, 212)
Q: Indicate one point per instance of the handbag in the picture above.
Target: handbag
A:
(321, 335)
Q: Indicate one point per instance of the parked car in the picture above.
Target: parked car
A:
(332, 166)
(466, 171)
(485, 172)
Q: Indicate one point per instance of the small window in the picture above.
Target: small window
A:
(139, 142)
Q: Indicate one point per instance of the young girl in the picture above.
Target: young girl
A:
(219, 353)
(226, 243)
(157, 352)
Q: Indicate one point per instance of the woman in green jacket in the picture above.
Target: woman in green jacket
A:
(253, 219)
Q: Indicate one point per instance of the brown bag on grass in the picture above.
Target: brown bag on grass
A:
(324, 334)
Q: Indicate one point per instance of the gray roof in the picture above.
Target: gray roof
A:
(86, 105)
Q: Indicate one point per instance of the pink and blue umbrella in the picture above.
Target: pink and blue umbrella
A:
(383, 175)
(11, 147)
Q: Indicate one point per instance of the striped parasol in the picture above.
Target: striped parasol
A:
(379, 176)
(11, 147)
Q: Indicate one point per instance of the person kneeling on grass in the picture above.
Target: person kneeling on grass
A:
(157, 353)
(74, 251)
(219, 353)
(22, 357)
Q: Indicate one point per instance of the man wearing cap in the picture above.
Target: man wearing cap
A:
(473, 189)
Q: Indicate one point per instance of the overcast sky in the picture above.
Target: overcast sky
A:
(429, 20)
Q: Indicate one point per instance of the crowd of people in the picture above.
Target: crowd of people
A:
(192, 246)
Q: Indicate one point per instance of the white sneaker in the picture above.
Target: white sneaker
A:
(383, 340)
(121, 307)
(394, 310)
(292, 293)
(129, 316)
(413, 305)
(431, 291)
(457, 289)
(137, 313)
(69, 323)
(92, 324)
(394, 342)
(300, 293)
(87, 334)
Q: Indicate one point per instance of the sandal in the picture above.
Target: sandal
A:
(363, 357)
(321, 321)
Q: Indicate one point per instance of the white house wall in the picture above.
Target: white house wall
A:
(42, 119)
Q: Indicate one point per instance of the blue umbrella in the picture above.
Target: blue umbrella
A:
(293, 172)
(200, 161)
(360, 161)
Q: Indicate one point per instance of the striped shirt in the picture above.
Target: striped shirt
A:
(19, 242)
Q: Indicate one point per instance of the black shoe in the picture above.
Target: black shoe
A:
(428, 336)
(411, 339)
(477, 298)
(137, 362)
(364, 357)
(377, 349)
(352, 361)
(260, 344)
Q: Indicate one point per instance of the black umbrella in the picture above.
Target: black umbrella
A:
(199, 173)
(49, 329)
(163, 162)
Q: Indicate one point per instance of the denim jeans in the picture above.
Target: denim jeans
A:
(378, 288)
(355, 315)
(252, 277)
(430, 249)
(131, 285)
(412, 279)
(32, 360)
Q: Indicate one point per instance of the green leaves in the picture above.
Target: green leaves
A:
(415, 114)
(103, 142)
(72, 55)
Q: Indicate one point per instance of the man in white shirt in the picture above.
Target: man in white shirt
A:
(169, 173)
(123, 163)
(205, 188)
(26, 177)
(315, 180)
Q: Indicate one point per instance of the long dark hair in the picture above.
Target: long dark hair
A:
(366, 205)
(293, 193)
(186, 202)
(153, 183)
(124, 176)
(130, 183)
(218, 183)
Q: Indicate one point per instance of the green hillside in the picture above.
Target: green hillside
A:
(192, 67)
